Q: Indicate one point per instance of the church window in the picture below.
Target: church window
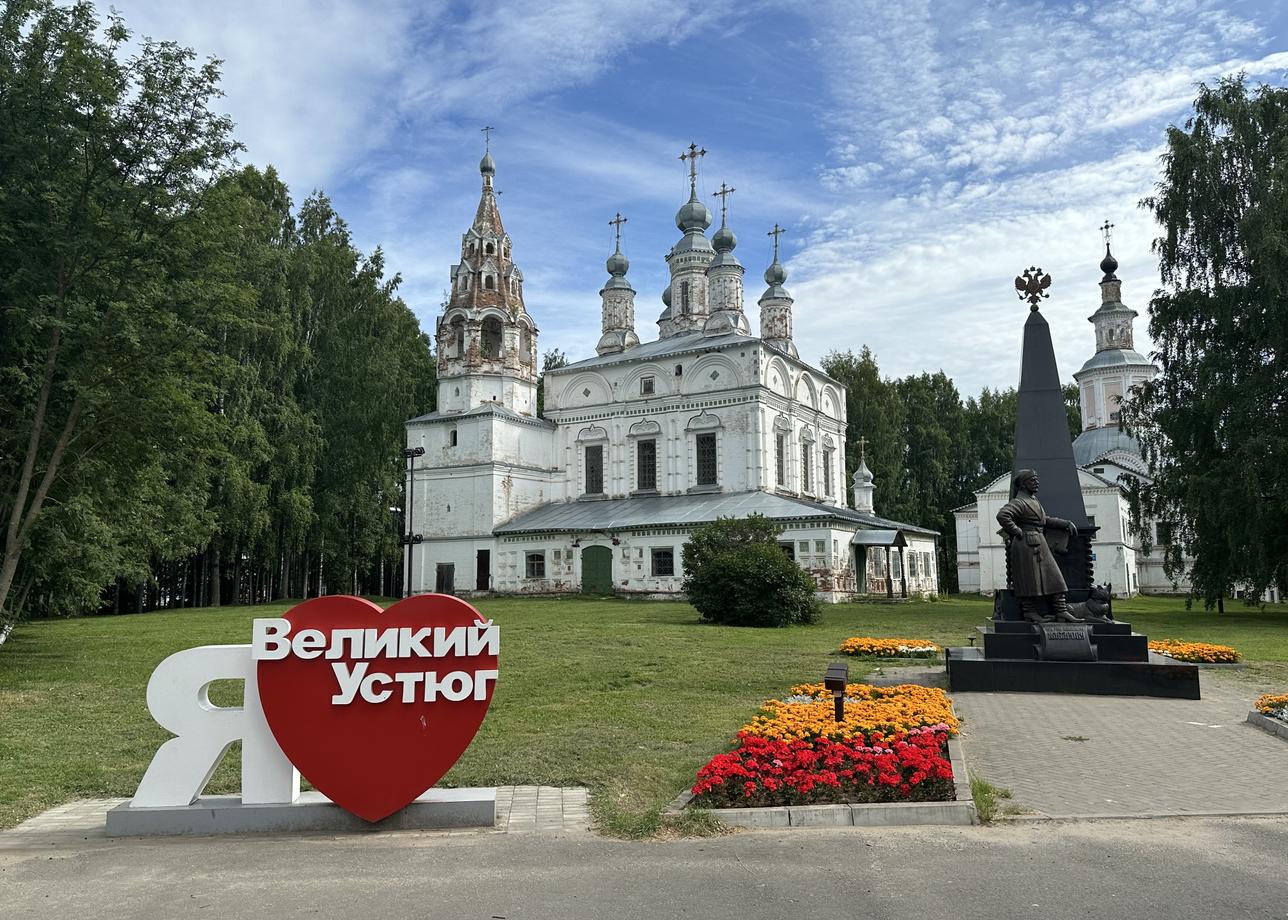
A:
(491, 342)
(1091, 520)
(646, 386)
(490, 283)
(925, 565)
(535, 565)
(706, 444)
(804, 546)
(715, 375)
(1163, 530)
(789, 550)
(595, 469)
(451, 438)
(525, 338)
(827, 472)
(664, 561)
(684, 296)
(490, 249)
(896, 566)
(807, 477)
(912, 565)
(646, 465)
(780, 459)
(820, 546)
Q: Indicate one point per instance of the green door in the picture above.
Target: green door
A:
(597, 570)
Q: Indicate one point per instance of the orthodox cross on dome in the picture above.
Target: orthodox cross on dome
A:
(723, 195)
(776, 233)
(863, 449)
(487, 137)
(616, 224)
(693, 156)
(1108, 230)
(1032, 286)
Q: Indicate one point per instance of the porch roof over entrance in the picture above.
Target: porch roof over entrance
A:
(879, 538)
(681, 510)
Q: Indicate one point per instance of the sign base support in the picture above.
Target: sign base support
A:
(311, 813)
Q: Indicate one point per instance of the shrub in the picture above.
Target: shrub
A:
(736, 574)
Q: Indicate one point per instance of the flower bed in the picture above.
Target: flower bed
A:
(809, 712)
(910, 767)
(869, 647)
(1198, 652)
(891, 746)
(1273, 705)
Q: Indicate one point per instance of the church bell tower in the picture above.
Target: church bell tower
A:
(487, 342)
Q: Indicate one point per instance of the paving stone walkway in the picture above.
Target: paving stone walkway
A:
(1106, 756)
(519, 810)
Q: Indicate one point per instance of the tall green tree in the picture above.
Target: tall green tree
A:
(874, 412)
(106, 373)
(1214, 424)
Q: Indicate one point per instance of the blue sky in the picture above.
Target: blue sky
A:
(920, 153)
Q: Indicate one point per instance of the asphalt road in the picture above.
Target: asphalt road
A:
(1165, 869)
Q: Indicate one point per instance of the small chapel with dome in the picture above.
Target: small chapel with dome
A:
(642, 441)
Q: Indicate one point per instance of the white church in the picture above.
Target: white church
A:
(1106, 456)
(640, 443)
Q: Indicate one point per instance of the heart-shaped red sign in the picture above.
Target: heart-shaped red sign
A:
(373, 706)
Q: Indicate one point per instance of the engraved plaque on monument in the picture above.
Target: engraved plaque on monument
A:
(1065, 642)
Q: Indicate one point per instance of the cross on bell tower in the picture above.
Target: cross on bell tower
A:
(616, 224)
(776, 233)
(693, 155)
(723, 195)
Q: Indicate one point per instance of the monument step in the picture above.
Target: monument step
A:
(1023, 644)
(970, 671)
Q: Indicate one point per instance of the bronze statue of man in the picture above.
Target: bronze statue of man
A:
(1035, 577)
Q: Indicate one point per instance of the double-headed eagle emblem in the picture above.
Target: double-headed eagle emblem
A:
(1032, 286)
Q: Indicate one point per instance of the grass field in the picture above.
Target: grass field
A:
(626, 697)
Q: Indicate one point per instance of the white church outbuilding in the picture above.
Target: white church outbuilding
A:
(640, 443)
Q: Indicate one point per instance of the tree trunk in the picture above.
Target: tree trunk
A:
(215, 582)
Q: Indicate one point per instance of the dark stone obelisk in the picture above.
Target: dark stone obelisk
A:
(1042, 441)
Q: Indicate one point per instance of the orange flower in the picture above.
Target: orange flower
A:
(810, 712)
(889, 648)
(1202, 652)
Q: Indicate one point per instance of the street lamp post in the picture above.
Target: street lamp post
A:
(410, 538)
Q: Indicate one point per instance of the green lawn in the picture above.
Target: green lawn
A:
(626, 697)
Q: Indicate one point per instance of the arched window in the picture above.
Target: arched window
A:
(489, 282)
(491, 343)
(490, 249)
(451, 438)
(684, 295)
(458, 337)
(525, 340)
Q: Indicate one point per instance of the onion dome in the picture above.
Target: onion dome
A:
(693, 215)
(724, 240)
(775, 274)
(487, 166)
(666, 298)
(1109, 264)
(617, 263)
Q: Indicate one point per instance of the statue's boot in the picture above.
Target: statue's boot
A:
(1030, 609)
(1060, 607)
